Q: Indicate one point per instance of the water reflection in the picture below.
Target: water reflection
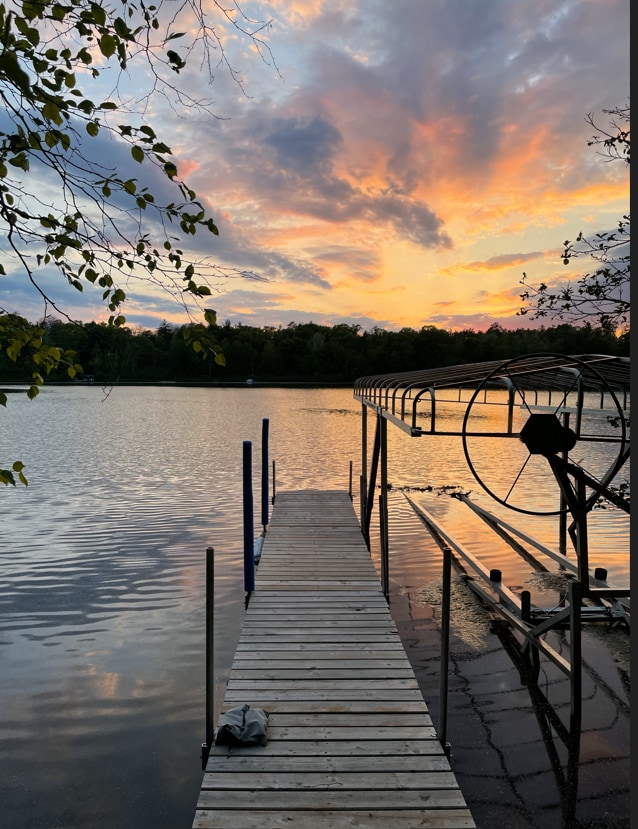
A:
(520, 757)
(569, 744)
(102, 567)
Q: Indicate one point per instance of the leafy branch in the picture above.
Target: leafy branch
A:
(64, 207)
(601, 295)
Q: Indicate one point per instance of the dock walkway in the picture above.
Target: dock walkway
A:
(350, 740)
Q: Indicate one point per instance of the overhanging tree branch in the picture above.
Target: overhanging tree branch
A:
(602, 295)
(62, 209)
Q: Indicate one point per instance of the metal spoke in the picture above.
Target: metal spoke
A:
(516, 479)
(519, 391)
(543, 435)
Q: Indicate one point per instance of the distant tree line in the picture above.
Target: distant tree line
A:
(303, 352)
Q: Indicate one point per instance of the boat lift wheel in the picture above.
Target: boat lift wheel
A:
(522, 469)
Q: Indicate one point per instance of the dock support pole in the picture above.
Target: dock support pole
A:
(383, 546)
(562, 518)
(249, 532)
(365, 527)
(264, 473)
(363, 478)
(445, 646)
(576, 651)
(210, 654)
(383, 509)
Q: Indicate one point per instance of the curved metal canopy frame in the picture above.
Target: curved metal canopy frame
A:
(561, 421)
(558, 415)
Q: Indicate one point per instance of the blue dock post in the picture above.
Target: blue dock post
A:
(264, 473)
(249, 560)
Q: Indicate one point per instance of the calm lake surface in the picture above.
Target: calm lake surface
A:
(102, 563)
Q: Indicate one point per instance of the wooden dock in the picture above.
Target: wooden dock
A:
(350, 740)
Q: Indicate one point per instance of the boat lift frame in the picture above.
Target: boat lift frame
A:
(400, 399)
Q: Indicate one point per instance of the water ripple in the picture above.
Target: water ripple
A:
(102, 567)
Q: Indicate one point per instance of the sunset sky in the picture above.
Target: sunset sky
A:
(403, 163)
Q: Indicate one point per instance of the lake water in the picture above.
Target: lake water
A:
(102, 563)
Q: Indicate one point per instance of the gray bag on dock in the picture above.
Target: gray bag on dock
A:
(242, 726)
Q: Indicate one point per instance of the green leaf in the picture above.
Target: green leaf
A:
(108, 45)
(51, 112)
(17, 467)
(174, 59)
(31, 10)
(33, 36)
(59, 12)
(22, 162)
(121, 28)
(10, 67)
(137, 153)
(92, 128)
(99, 15)
(6, 477)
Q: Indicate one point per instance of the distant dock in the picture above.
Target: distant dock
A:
(350, 739)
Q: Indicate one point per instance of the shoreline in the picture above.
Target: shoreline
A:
(9, 386)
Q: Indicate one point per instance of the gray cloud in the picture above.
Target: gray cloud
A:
(287, 164)
(303, 144)
(383, 107)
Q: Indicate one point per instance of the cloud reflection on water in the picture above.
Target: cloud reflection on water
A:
(102, 568)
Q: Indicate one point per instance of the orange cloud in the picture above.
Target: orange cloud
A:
(495, 263)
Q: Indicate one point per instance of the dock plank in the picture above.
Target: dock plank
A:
(350, 738)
